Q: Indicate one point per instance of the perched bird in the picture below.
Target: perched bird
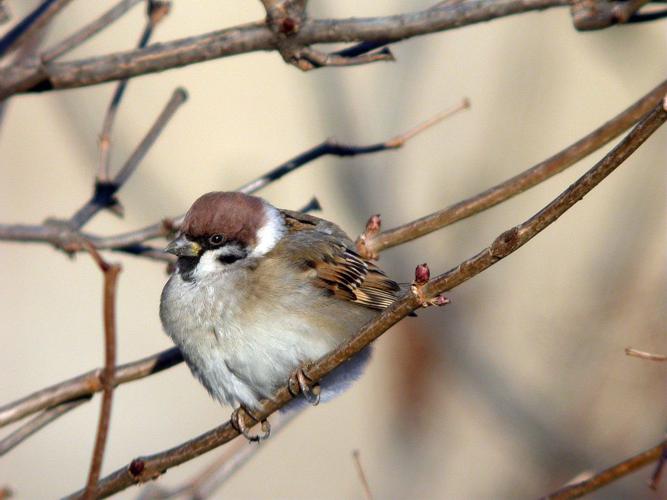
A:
(259, 292)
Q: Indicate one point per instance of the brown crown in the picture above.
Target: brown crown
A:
(236, 216)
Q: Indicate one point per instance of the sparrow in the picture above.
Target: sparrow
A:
(257, 293)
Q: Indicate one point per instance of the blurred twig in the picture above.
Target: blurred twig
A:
(605, 477)
(144, 468)
(644, 355)
(362, 475)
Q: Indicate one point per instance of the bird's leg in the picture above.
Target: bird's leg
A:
(300, 382)
(238, 422)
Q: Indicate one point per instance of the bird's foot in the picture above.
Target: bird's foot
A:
(300, 382)
(238, 422)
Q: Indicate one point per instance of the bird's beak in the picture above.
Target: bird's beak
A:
(183, 247)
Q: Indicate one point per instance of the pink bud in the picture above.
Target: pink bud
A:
(373, 225)
(422, 274)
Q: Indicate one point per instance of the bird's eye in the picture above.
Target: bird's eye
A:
(216, 239)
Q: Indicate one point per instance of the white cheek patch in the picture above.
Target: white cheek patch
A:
(208, 264)
(270, 233)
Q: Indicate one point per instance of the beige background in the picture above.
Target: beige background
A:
(516, 387)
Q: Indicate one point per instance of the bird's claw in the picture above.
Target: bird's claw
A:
(238, 422)
(300, 382)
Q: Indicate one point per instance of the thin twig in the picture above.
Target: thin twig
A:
(144, 468)
(88, 31)
(37, 423)
(362, 475)
(519, 183)
(30, 25)
(105, 136)
(645, 355)
(107, 376)
(328, 147)
(104, 194)
(606, 476)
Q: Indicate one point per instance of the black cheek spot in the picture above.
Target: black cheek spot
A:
(229, 259)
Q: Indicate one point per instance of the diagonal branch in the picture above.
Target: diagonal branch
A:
(30, 25)
(517, 184)
(37, 423)
(150, 467)
(329, 147)
(88, 31)
(609, 475)
(153, 16)
(86, 385)
(104, 192)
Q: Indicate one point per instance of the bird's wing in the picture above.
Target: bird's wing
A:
(324, 248)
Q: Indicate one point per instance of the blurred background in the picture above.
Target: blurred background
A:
(515, 388)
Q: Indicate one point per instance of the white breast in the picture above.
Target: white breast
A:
(237, 358)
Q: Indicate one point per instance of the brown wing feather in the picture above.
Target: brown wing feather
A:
(338, 268)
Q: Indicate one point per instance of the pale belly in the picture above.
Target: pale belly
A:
(242, 354)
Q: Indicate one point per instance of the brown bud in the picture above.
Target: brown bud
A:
(422, 274)
(137, 467)
(287, 26)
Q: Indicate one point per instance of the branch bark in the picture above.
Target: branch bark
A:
(527, 179)
(258, 36)
(111, 272)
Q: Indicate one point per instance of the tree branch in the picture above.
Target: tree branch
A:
(86, 385)
(37, 423)
(65, 237)
(371, 246)
(107, 376)
(150, 467)
(253, 37)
